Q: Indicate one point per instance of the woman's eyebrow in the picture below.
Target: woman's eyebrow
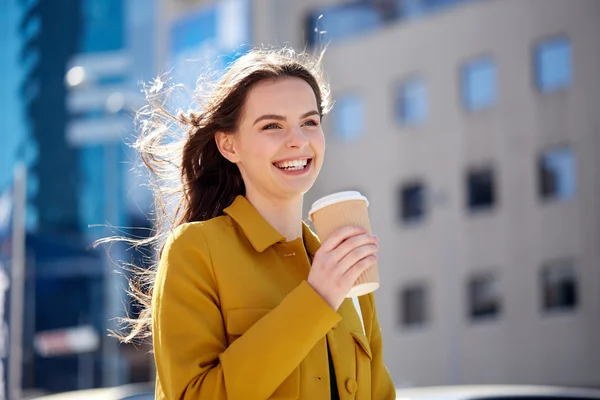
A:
(282, 118)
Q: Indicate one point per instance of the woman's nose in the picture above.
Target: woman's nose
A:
(297, 138)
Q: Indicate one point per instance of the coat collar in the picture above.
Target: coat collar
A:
(259, 232)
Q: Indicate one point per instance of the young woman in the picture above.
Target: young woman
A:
(246, 303)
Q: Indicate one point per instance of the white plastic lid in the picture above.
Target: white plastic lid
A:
(336, 198)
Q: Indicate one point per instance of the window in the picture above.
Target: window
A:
(91, 199)
(484, 296)
(559, 285)
(412, 202)
(553, 63)
(414, 305)
(97, 15)
(32, 216)
(349, 117)
(409, 9)
(411, 104)
(480, 189)
(479, 86)
(108, 80)
(557, 177)
(341, 21)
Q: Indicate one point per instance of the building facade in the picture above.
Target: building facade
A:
(105, 79)
(471, 125)
(472, 128)
(68, 88)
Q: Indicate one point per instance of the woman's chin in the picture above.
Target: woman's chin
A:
(295, 190)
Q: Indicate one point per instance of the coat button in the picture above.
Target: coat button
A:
(351, 385)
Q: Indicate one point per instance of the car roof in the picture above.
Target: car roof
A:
(462, 392)
(112, 393)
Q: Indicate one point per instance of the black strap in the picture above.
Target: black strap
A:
(335, 395)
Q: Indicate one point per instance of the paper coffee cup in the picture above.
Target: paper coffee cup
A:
(345, 209)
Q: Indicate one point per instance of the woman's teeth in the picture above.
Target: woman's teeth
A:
(292, 165)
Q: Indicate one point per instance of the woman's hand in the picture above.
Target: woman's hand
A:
(342, 258)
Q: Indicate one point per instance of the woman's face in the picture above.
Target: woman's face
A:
(280, 144)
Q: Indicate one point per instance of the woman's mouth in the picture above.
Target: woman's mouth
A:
(294, 165)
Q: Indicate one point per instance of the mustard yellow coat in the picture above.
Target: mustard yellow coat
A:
(233, 318)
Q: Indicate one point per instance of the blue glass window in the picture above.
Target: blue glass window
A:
(412, 102)
(97, 16)
(93, 186)
(349, 117)
(479, 84)
(338, 22)
(557, 176)
(409, 9)
(554, 69)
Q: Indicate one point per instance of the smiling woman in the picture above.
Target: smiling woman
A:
(245, 302)
(279, 137)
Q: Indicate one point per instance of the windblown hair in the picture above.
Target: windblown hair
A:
(191, 180)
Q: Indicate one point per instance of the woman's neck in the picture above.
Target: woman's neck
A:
(283, 215)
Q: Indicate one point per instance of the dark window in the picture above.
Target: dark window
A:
(559, 285)
(484, 296)
(414, 305)
(557, 176)
(412, 204)
(480, 189)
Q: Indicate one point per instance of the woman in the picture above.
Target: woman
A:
(246, 303)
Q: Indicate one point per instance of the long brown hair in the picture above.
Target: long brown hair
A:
(190, 178)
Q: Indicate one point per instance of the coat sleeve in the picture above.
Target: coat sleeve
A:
(192, 358)
(382, 386)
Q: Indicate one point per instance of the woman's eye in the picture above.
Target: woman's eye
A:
(271, 126)
(311, 123)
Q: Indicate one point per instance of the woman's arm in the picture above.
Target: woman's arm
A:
(190, 343)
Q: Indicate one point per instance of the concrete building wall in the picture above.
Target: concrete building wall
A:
(520, 233)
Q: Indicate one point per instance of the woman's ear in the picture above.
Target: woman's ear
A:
(225, 144)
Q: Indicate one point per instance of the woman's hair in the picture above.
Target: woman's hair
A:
(190, 178)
